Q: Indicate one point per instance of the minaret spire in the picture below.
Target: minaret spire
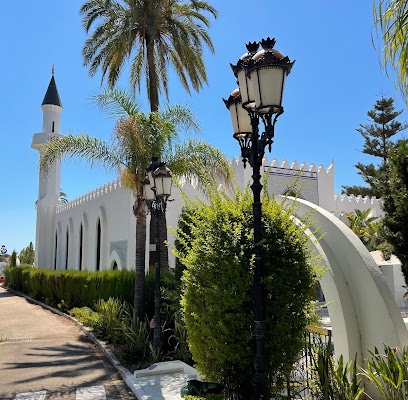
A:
(52, 96)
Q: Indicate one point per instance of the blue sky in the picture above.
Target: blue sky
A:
(336, 79)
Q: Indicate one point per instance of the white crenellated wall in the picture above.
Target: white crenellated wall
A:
(111, 205)
(344, 204)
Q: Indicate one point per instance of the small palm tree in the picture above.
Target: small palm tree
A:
(365, 227)
(153, 35)
(63, 197)
(137, 137)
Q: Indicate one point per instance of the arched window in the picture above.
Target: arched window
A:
(98, 245)
(81, 240)
(66, 250)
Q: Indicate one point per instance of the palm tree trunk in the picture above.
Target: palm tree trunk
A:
(140, 212)
(153, 85)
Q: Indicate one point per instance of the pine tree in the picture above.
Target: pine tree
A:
(396, 205)
(378, 143)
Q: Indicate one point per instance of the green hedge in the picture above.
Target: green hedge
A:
(71, 288)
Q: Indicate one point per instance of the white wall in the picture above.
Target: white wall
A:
(112, 205)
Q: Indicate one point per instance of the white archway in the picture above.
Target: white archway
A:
(361, 306)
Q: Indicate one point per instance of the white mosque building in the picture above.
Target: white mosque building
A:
(97, 230)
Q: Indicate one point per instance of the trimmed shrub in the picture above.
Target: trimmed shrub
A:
(71, 288)
(217, 297)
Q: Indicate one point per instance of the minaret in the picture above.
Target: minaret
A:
(49, 185)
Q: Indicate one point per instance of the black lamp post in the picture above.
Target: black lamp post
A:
(156, 191)
(261, 77)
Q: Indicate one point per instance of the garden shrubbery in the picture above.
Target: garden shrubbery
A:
(215, 247)
(69, 288)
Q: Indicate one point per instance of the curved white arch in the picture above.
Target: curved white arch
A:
(362, 309)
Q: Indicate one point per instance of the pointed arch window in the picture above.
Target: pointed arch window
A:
(98, 245)
(81, 241)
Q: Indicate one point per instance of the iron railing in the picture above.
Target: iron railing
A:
(300, 385)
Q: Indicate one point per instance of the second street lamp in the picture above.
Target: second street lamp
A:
(156, 191)
(261, 77)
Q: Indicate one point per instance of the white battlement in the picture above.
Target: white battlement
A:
(357, 199)
(93, 194)
(345, 204)
(294, 165)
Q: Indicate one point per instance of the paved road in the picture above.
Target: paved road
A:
(44, 356)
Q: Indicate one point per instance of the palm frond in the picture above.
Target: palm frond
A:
(201, 163)
(117, 103)
(152, 38)
(182, 118)
(391, 24)
(81, 147)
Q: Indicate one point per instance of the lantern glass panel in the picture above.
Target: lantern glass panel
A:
(246, 89)
(241, 122)
(148, 193)
(163, 185)
(268, 82)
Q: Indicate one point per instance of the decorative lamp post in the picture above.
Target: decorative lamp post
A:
(156, 191)
(261, 77)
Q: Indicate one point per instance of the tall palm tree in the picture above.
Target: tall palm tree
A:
(391, 21)
(137, 137)
(152, 34)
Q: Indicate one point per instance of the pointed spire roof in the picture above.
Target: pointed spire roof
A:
(52, 96)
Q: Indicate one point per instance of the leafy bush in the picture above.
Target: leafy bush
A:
(27, 255)
(109, 325)
(218, 287)
(85, 315)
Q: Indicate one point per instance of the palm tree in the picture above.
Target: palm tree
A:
(391, 21)
(153, 34)
(137, 137)
(365, 227)
(63, 197)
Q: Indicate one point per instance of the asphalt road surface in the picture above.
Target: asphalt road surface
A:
(44, 356)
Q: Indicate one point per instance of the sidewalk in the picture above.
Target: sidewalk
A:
(161, 381)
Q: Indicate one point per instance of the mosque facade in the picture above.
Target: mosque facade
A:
(97, 231)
